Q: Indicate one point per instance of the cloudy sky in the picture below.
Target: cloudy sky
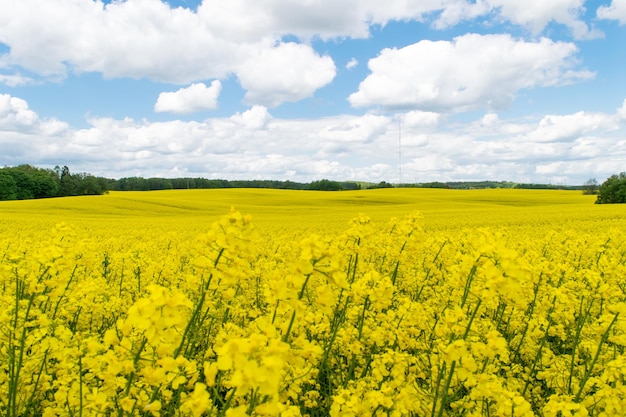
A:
(369, 90)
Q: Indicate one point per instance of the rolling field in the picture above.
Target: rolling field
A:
(315, 210)
(390, 302)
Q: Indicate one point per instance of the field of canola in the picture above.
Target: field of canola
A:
(394, 302)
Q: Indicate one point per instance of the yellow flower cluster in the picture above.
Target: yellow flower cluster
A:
(378, 320)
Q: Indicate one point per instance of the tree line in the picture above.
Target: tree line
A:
(150, 184)
(27, 182)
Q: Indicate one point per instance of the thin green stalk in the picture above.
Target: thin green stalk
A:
(194, 315)
(446, 387)
(226, 405)
(444, 391)
(31, 400)
(275, 311)
(394, 276)
(437, 384)
(67, 286)
(293, 314)
(468, 284)
(15, 367)
(352, 268)
(576, 342)
(471, 320)
(529, 313)
(129, 382)
(80, 385)
(334, 330)
(366, 305)
(537, 357)
(288, 331)
(306, 281)
(603, 339)
(445, 242)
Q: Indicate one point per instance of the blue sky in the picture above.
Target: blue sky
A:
(515, 90)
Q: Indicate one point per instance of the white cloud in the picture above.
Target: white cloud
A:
(15, 80)
(140, 38)
(254, 144)
(24, 136)
(554, 128)
(420, 119)
(148, 38)
(536, 14)
(15, 114)
(246, 20)
(288, 72)
(352, 63)
(255, 118)
(615, 11)
(195, 98)
(472, 71)
(458, 11)
(365, 129)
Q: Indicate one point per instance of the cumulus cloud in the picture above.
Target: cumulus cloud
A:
(352, 63)
(195, 98)
(15, 114)
(15, 80)
(255, 145)
(255, 118)
(536, 14)
(24, 136)
(456, 12)
(615, 11)
(149, 38)
(420, 119)
(556, 128)
(472, 71)
(288, 72)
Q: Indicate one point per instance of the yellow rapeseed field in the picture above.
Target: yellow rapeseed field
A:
(394, 302)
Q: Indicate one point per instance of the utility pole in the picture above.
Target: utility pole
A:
(399, 152)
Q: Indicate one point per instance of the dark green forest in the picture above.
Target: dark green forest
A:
(25, 182)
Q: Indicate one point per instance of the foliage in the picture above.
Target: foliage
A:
(146, 184)
(25, 182)
(371, 319)
(8, 187)
(325, 185)
(613, 190)
(382, 184)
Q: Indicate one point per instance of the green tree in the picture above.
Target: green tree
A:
(24, 184)
(325, 185)
(70, 184)
(8, 188)
(613, 190)
(44, 185)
